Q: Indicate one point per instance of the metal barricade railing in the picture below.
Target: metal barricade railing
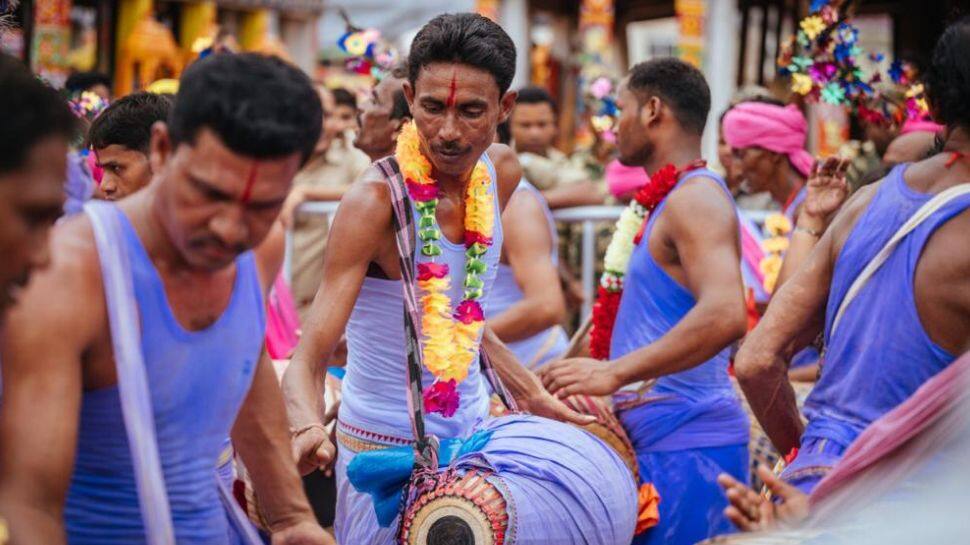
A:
(587, 216)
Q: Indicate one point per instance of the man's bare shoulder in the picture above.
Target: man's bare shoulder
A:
(507, 168)
(369, 197)
(701, 200)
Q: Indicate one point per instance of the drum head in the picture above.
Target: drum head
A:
(461, 509)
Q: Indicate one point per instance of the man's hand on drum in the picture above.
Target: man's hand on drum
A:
(542, 403)
(750, 511)
(312, 450)
(580, 376)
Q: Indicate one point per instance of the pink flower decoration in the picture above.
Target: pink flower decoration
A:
(443, 398)
(471, 237)
(427, 271)
(469, 311)
(421, 192)
(600, 88)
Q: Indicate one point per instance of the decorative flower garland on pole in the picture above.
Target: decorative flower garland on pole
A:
(627, 234)
(451, 337)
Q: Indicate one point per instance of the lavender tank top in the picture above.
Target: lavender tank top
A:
(699, 403)
(375, 385)
(881, 353)
(546, 345)
(198, 382)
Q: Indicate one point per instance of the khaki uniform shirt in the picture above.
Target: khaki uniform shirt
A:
(339, 166)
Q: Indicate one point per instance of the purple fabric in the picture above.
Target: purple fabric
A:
(693, 508)
(566, 486)
(880, 354)
(700, 400)
(78, 186)
(815, 459)
(563, 486)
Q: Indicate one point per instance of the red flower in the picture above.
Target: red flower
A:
(604, 316)
(443, 398)
(421, 192)
(469, 311)
(427, 271)
(660, 184)
(471, 237)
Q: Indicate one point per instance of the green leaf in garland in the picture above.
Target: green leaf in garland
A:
(431, 250)
(474, 282)
(475, 266)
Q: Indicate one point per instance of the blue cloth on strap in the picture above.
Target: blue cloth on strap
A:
(383, 474)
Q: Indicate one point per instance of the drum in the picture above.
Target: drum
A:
(607, 427)
(535, 482)
(460, 509)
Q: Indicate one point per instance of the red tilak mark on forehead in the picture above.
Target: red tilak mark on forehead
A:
(454, 89)
(248, 191)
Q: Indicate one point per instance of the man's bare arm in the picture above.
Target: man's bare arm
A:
(359, 230)
(704, 229)
(528, 247)
(794, 317)
(260, 435)
(46, 334)
(578, 194)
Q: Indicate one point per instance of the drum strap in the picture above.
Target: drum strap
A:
(425, 445)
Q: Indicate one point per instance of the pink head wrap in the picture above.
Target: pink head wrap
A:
(781, 129)
(920, 125)
(622, 180)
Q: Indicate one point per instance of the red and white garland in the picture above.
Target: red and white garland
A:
(627, 234)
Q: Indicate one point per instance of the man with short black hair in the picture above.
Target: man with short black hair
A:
(345, 110)
(81, 440)
(681, 309)
(37, 127)
(459, 72)
(94, 82)
(120, 139)
(533, 126)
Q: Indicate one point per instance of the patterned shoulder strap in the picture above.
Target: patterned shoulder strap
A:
(426, 447)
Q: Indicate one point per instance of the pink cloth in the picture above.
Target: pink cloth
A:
(282, 321)
(920, 125)
(622, 180)
(96, 172)
(781, 129)
(884, 437)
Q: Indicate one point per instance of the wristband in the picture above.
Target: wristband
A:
(813, 232)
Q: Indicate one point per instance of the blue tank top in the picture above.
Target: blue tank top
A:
(652, 303)
(198, 381)
(880, 354)
(546, 345)
(699, 404)
(374, 387)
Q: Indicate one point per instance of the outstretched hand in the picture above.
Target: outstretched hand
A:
(750, 511)
(579, 376)
(827, 188)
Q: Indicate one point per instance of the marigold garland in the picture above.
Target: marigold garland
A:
(626, 235)
(777, 226)
(451, 337)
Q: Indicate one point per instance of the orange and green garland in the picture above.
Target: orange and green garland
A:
(451, 337)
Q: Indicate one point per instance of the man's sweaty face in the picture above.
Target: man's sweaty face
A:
(221, 203)
(456, 109)
(376, 126)
(533, 128)
(125, 171)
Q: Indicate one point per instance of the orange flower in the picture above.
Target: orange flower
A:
(648, 508)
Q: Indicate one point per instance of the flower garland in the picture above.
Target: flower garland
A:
(777, 226)
(451, 337)
(627, 234)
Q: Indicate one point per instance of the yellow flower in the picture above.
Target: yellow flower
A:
(777, 225)
(775, 245)
(813, 26)
(770, 265)
(801, 83)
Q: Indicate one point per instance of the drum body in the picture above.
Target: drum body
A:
(535, 482)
